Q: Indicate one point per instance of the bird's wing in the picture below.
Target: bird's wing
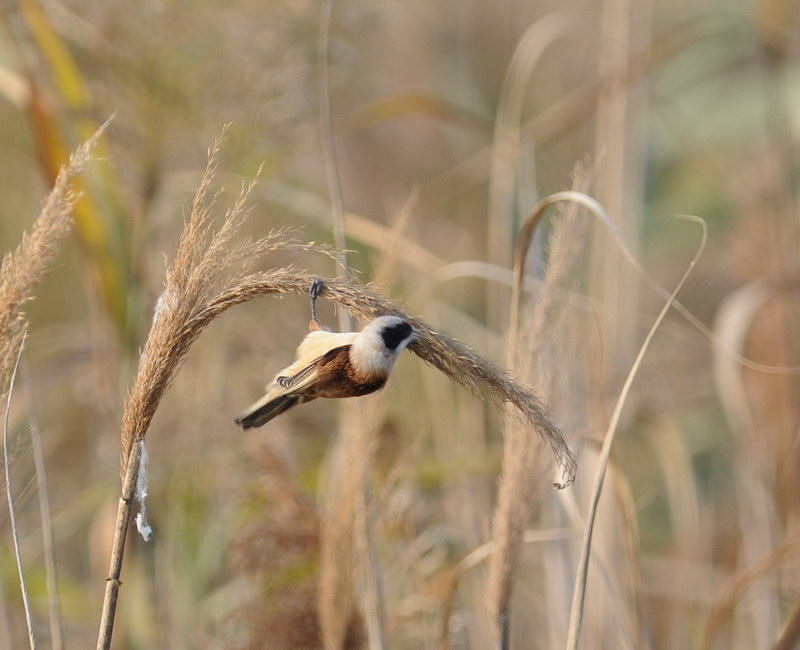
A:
(291, 380)
(305, 376)
(310, 352)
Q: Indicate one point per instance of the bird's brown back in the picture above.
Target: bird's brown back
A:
(335, 377)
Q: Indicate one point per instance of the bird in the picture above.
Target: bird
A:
(333, 365)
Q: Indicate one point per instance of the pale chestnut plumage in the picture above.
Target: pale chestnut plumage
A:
(331, 364)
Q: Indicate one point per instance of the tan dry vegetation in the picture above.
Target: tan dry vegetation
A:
(536, 353)
(202, 282)
(423, 515)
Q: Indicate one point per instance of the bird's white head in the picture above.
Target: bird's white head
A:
(378, 345)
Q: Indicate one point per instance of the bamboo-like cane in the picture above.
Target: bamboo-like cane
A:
(118, 549)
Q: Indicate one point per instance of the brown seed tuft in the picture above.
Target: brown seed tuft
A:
(24, 267)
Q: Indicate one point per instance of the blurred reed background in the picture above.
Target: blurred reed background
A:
(422, 516)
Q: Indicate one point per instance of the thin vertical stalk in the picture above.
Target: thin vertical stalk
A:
(506, 150)
(755, 480)
(335, 581)
(620, 159)
(373, 599)
(5, 627)
(790, 633)
(48, 542)
(329, 155)
(11, 515)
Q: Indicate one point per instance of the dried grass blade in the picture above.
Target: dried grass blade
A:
(579, 592)
(358, 227)
(599, 211)
(393, 107)
(508, 130)
(789, 636)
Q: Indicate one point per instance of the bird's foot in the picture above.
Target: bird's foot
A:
(313, 293)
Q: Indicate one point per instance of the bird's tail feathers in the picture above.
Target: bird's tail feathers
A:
(265, 409)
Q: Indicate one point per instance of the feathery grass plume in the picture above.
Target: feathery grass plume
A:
(207, 262)
(524, 473)
(23, 268)
(478, 375)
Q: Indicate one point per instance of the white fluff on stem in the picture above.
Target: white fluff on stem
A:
(145, 530)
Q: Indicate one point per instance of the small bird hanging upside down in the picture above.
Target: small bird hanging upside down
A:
(332, 364)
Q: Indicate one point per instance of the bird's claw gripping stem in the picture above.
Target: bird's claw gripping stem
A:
(313, 293)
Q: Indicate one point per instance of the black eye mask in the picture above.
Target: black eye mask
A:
(394, 335)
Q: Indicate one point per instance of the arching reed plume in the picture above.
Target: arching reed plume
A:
(478, 375)
(208, 264)
(210, 274)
